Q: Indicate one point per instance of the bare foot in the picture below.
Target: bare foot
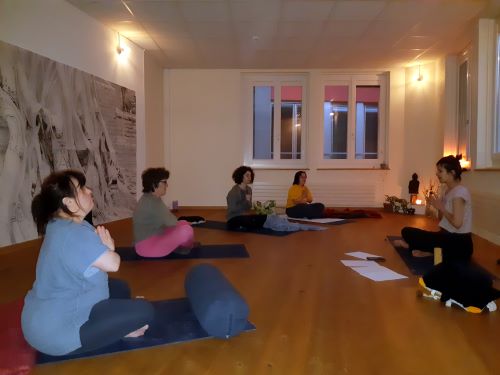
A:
(401, 243)
(421, 254)
(139, 332)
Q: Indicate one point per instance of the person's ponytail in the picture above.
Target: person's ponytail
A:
(49, 201)
(452, 165)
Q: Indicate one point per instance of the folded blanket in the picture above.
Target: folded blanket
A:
(281, 224)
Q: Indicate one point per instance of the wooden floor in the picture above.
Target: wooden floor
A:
(313, 315)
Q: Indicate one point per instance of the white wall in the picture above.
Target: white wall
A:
(204, 132)
(205, 137)
(59, 31)
(423, 135)
(483, 184)
(430, 132)
(154, 129)
(485, 190)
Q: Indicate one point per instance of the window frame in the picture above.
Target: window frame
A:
(277, 80)
(352, 81)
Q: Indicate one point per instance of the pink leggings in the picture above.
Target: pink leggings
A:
(164, 243)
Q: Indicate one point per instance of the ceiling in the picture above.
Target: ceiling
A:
(293, 34)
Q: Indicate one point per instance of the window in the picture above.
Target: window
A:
(275, 121)
(335, 111)
(291, 122)
(463, 110)
(367, 98)
(496, 130)
(263, 122)
(485, 100)
(353, 121)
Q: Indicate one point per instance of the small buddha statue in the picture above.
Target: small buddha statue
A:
(413, 186)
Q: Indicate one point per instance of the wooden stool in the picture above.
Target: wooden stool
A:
(438, 255)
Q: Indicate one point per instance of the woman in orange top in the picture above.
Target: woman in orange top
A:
(299, 203)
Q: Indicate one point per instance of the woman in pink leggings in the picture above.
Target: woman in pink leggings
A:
(157, 232)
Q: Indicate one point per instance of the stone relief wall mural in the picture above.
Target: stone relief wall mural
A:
(52, 117)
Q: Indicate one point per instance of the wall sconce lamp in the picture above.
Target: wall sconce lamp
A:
(420, 77)
(119, 47)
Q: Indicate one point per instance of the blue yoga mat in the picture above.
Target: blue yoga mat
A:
(177, 324)
(201, 252)
(221, 225)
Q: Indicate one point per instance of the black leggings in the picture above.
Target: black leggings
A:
(310, 211)
(456, 246)
(465, 282)
(112, 319)
(247, 222)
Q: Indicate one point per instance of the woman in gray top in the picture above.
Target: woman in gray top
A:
(239, 202)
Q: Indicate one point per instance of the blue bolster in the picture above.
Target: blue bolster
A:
(220, 309)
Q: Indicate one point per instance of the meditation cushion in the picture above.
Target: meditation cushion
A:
(16, 355)
(220, 309)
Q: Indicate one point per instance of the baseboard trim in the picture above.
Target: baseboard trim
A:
(487, 235)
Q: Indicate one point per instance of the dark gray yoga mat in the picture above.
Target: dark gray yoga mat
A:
(417, 266)
(221, 225)
(175, 323)
(201, 252)
(421, 265)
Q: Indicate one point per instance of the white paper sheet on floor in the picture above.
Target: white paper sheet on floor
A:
(370, 269)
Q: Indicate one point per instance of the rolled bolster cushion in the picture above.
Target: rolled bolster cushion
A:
(220, 309)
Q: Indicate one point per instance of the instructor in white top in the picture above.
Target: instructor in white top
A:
(455, 212)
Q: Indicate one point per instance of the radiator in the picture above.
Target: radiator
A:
(332, 195)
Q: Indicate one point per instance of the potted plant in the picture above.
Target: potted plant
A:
(390, 203)
(395, 204)
(266, 208)
(430, 191)
(406, 207)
